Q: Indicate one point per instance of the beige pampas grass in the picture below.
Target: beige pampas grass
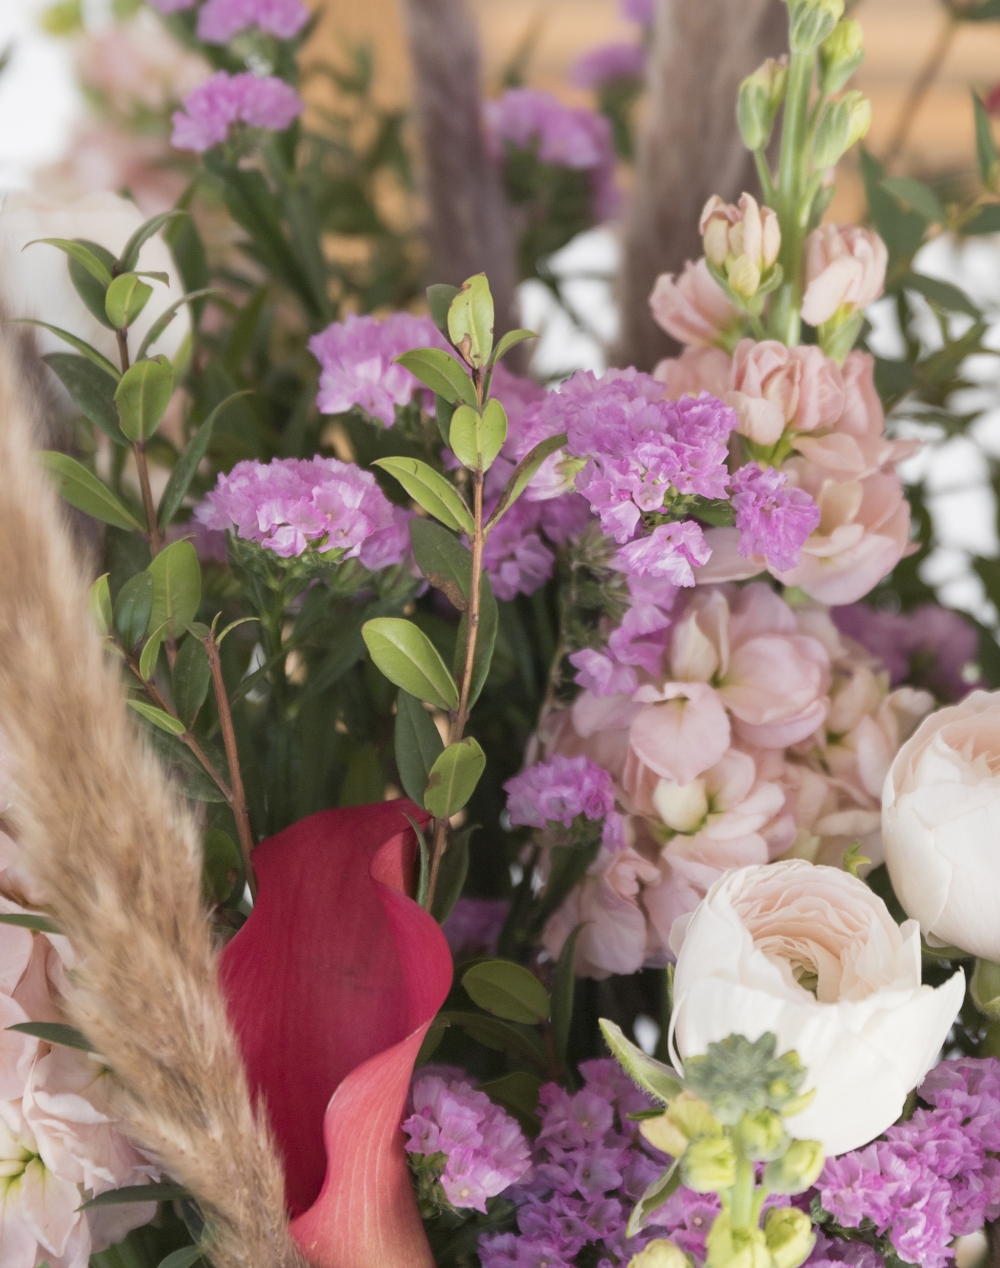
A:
(105, 837)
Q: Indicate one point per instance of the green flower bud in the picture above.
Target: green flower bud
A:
(789, 1236)
(811, 22)
(842, 124)
(763, 1135)
(986, 988)
(709, 1164)
(660, 1253)
(761, 94)
(796, 1169)
(840, 55)
(736, 1248)
(685, 1118)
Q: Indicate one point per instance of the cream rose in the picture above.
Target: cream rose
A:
(941, 821)
(813, 956)
(36, 282)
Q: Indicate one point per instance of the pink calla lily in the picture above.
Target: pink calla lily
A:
(332, 985)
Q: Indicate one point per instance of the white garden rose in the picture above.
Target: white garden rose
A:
(941, 825)
(812, 955)
(36, 282)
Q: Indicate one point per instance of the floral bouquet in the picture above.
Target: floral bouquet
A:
(451, 821)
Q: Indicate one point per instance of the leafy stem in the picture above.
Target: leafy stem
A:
(238, 801)
(139, 449)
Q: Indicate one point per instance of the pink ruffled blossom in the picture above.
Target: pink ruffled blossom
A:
(693, 307)
(220, 20)
(671, 551)
(845, 270)
(773, 517)
(210, 109)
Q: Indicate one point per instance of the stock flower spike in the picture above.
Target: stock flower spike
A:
(331, 986)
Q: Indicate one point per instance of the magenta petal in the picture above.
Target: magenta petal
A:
(331, 986)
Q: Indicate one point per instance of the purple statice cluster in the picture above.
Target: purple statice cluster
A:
(220, 20)
(463, 1149)
(590, 1167)
(639, 641)
(561, 789)
(933, 1177)
(774, 518)
(608, 64)
(292, 505)
(564, 136)
(930, 647)
(357, 360)
(473, 925)
(210, 109)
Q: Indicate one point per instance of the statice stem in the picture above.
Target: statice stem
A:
(238, 802)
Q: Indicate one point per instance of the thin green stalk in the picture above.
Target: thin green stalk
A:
(764, 175)
(785, 321)
(741, 1195)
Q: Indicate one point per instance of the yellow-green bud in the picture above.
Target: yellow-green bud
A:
(763, 1135)
(736, 1248)
(842, 124)
(685, 1118)
(789, 1236)
(744, 276)
(796, 1169)
(811, 22)
(840, 55)
(660, 1253)
(709, 1164)
(761, 94)
(986, 988)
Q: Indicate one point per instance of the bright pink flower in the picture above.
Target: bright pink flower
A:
(845, 268)
(693, 307)
(773, 387)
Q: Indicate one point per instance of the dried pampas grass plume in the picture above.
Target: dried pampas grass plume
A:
(104, 836)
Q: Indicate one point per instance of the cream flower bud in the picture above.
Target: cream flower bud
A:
(682, 807)
(709, 1164)
(789, 1236)
(842, 124)
(985, 988)
(744, 276)
(763, 1135)
(660, 1253)
(742, 241)
(736, 1248)
(797, 1168)
(811, 22)
(840, 55)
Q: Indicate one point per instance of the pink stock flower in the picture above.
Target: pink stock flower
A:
(210, 109)
(695, 371)
(220, 20)
(845, 269)
(693, 307)
(773, 386)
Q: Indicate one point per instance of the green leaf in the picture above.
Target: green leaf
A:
(28, 920)
(127, 296)
(510, 340)
(920, 197)
(477, 438)
(986, 150)
(507, 990)
(99, 604)
(92, 391)
(158, 717)
(518, 1042)
(439, 371)
(82, 489)
(439, 299)
(452, 874)
(443, 411)
(90, 290)
(470, 321)
(151, 652)
(418, 745)
(77, 251)
(167, 316)
(143, 395)
(485, 640)
(492, 431)
(431, 491)
(137, 1193)
(443, 560)
(987, 220)
(133, 609)
(654, 1197)
(409, 659)
(659, 1080)
(902, 231)
(130, 255)
(191, 678)
(563, 990)
(177, 587)
(53, 1032)
(942, 294)
(187, 464)
(454, 777)
(522, 473)
(90, 353)
(222, 865)
(186, 1257)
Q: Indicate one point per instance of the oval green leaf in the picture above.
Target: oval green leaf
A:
(90, 290)
(92, 390)
(418, 745)
(464, 435)
(439, 371)
(192, 678)
(507, 990)
(431, 491)
(443, 560)
(454, 777)
(127, 296)
(408, 658)
(143, 395)
(510, 340)
(151, 652)
(176, 575)
(522, 473)
(130, 254)
(82, 489)
(90, 353)
(132, 611)
(172, 726)
(99, 604)
(77, 251)
(470, 321)
(492, 432)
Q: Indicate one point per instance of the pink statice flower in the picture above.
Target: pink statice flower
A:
(774, 518)
(473, 925)
(463, 1148)
(607, 64)
(560, 790)
(357, 360)
(516, 559)
(931, 647)
(220, 20)
(292, 505)
(210, 109)
(671, 551)
(564, 136)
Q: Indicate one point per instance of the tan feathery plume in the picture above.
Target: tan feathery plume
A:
(111, 844)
